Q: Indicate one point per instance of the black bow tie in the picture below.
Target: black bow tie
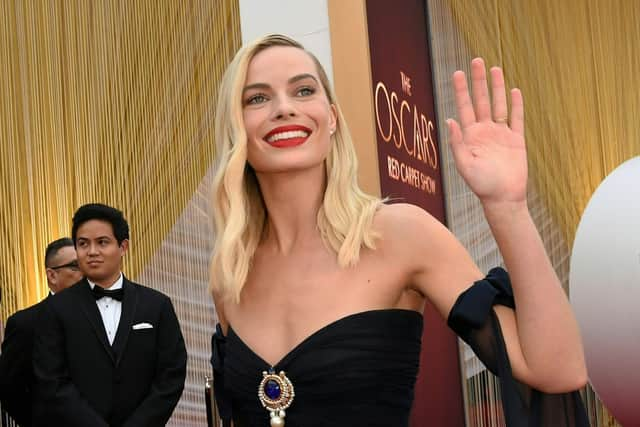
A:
(99, 292)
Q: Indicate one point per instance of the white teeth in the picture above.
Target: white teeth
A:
(288, 135)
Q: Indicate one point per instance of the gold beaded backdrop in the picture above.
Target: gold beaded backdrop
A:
(113, 101)
(576, 62)
(109, 101)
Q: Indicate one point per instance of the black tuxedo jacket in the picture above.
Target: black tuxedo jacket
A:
(16, 373)
(83, 381)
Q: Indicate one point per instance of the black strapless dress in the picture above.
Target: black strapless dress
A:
(361, 370)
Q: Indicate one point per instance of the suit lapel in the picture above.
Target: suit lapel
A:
(90, 309)
(127, 314)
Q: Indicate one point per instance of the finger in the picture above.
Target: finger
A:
(480, 90)
(499, 95)
(463, 100)
(455, 137)
(517, 112)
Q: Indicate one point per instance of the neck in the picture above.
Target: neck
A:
(105, 283)
(292, 200)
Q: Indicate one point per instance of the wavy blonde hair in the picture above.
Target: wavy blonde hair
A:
(239, 214)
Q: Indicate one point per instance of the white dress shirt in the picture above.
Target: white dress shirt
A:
(110, 310)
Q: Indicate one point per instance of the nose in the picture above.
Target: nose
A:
(283, 108)
(93, 249)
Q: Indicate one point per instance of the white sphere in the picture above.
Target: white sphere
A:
(277, 421)
(605, 290)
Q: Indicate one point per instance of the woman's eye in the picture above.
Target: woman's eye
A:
(306, 91)
(256, 99)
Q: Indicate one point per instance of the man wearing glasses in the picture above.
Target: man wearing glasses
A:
(16, 372)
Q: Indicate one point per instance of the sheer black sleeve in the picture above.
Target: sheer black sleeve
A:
(223, 400)
(473, 319)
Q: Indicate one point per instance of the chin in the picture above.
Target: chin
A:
(292, 163)
(292, 168)
(293, 159)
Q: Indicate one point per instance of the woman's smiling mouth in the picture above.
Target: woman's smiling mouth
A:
(287, 136)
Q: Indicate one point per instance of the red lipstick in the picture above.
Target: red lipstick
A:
(287, 136)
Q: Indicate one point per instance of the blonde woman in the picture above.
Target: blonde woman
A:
(319, 287)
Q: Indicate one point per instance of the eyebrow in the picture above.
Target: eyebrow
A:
(293, 79)
(96, 238)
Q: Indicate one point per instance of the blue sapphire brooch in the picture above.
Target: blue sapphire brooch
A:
(276, 394)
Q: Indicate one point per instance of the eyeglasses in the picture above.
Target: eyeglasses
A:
(73, 265)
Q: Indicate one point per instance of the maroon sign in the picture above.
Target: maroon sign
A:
(410, 171)
(403, 101)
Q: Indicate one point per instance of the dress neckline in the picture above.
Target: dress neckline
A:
(314, 335)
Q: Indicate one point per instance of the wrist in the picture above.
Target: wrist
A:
(505, 209)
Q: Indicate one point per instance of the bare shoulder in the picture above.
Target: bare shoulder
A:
(440, 266)
(410, 235)
(407, 224)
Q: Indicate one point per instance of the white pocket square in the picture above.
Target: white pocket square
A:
(142, 326)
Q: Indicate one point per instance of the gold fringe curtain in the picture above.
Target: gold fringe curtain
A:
(576, 62)
(109, 101)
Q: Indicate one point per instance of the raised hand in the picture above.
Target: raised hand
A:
(488, 144)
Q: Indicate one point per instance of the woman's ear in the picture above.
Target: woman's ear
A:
(333, 118)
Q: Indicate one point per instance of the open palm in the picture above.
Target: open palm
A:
(488, 145)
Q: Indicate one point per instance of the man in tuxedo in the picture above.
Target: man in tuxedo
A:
(112, 353)
(16, 372)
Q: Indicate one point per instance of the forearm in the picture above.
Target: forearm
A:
(171, 371)
(54, 388)
(157, 407)
(65, 406)
(13, 379)
(547, 330)
(164, 394)
(13, 364)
